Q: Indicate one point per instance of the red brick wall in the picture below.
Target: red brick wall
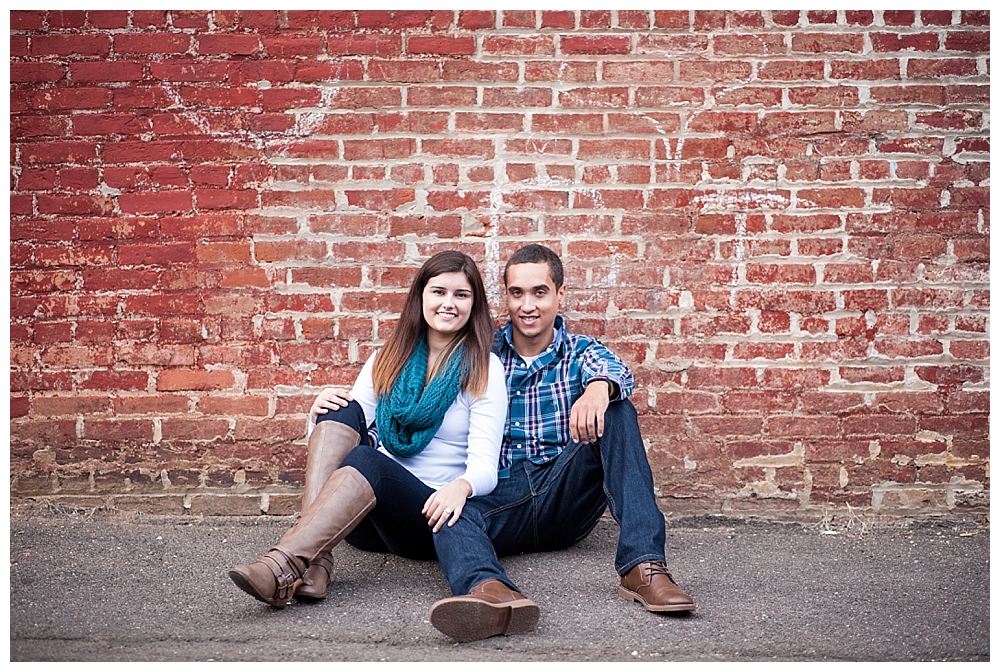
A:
(779, 219)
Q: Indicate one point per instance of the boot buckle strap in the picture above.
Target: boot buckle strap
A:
(284, 569)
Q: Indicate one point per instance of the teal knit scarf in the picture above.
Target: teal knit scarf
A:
(409, 415)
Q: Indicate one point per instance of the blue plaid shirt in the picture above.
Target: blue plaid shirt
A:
(540, 396)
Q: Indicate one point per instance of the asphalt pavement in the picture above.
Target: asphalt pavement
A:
(96, 585)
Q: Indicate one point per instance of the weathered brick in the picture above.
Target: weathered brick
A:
(847, 308)
(186, 379)
(440, 44)
(476, 19)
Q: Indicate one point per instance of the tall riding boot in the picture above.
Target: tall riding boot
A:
(338, 508)
(329, 444)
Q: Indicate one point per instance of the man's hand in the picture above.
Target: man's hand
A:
(586, 418)
(445, 505)
(329, 399)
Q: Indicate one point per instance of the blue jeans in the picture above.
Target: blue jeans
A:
(396, 524)
(554, 505)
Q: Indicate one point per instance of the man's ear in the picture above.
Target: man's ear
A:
(561, 294)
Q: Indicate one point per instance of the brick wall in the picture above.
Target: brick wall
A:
(779, 219)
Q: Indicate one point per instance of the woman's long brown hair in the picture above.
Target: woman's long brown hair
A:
(477, 334)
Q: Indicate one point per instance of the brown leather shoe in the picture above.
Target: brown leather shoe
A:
(650, 584)
(490, 608)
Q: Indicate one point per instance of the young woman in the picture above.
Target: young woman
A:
(438, 401)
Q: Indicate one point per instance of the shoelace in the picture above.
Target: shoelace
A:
(658, 568)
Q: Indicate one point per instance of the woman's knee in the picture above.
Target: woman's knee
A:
(361, 458)
(351, 415)
(372, 464)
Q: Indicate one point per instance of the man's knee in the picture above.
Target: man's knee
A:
(619, 414)
(472, 513)
(621, 431)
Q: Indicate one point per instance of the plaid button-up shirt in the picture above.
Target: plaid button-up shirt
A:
(541, 395)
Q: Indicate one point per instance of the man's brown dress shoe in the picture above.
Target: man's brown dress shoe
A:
(650, 584)
(490, 608)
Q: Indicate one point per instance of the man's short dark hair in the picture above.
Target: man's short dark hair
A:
(537, 254)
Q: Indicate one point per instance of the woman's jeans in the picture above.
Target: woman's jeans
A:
(396, 524)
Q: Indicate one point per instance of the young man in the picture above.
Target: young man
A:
(571, 448)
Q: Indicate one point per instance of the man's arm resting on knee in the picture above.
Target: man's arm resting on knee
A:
(586, 417)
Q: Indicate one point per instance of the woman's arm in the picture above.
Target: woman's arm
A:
(363, 391)
(331, 398)
(487, 417)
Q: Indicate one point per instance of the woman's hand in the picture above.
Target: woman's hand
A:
(446, 503)
(329, 399)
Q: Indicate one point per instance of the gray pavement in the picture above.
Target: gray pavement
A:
(110, 586)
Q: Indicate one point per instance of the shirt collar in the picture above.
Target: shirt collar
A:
(558, 340)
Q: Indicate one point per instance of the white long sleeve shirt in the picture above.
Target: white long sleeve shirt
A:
(467, 444)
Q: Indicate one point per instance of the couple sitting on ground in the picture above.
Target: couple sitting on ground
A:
(445, 449)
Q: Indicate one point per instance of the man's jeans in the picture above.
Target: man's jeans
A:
(552, 506)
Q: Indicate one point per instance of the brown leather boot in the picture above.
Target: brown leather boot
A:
(329, 444)
(490, 608)
(316, 579)
(271, 578)
(342, 503)
(650, 584)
